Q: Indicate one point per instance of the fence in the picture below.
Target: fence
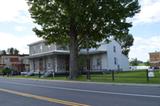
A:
(142, 76)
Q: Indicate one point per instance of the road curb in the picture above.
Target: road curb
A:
(86, 82)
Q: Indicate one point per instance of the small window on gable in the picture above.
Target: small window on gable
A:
(114, 49)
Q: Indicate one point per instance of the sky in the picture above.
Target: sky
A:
(16, 28)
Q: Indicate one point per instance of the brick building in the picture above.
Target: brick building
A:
(155, 59)
(15, 62)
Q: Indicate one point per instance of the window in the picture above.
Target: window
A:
(41, 47)
(114, 49)
(14, 60)
(62, 47)
(98, 62)
(49, 46)
(33, 49)
(6, 59)
(115, 60)
(49, 65)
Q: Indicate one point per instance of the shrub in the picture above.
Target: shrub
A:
(6, 71)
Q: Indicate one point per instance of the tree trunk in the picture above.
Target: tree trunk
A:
(88, 58)
(73, 66)
(88, 65)
(73, 58)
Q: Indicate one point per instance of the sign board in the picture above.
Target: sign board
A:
(150, 69)
(150, 74)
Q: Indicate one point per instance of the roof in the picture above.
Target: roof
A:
(55, 52)
(93, 52)
(20, 55)
(155, 52)
(36, 42)
(62, 52)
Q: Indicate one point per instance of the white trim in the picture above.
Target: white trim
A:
(56, 64)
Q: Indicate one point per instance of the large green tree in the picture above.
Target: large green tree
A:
(74, 21)
(135, 62)
(12, 51)
(126, 42)
(3, 52)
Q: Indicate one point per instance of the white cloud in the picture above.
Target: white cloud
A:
(150, 12)
(20, 42)
(16, 11)
(20, 28)
(142, 47)
(13, 11)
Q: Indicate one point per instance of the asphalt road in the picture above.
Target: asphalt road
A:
(24, 92)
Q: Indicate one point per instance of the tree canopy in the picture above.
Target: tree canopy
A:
(12, 51)
(3, 52)
(75, 21)
(135, 62)
(97, 18)
(126, 42)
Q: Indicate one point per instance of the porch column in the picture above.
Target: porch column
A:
(34, 66)
(45, 64)
(56, 63)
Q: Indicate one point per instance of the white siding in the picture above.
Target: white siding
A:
(114, 52)
(103, 65)
(117, 55)
(41, 47)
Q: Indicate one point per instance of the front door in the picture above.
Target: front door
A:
(41, 64)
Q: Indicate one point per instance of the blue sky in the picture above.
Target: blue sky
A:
(16, 28)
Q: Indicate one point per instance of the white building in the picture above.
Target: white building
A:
(111, 57)
(56, 57)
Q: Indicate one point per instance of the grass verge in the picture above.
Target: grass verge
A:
(120, 77)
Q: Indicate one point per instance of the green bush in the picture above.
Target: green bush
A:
(6, 71)
(0, 71)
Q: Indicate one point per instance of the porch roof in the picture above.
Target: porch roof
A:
(55, 52)
(62, 52)
(93, 52)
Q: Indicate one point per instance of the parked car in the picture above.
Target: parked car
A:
(24, 73)
(48, 74)
(156, 67)
(31, 73)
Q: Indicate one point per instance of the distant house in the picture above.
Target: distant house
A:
(15, 62)
(55, 58)
(155, 59)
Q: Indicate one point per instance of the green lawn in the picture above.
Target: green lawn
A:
(124, 77)
(120, 77)
(36, 77)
